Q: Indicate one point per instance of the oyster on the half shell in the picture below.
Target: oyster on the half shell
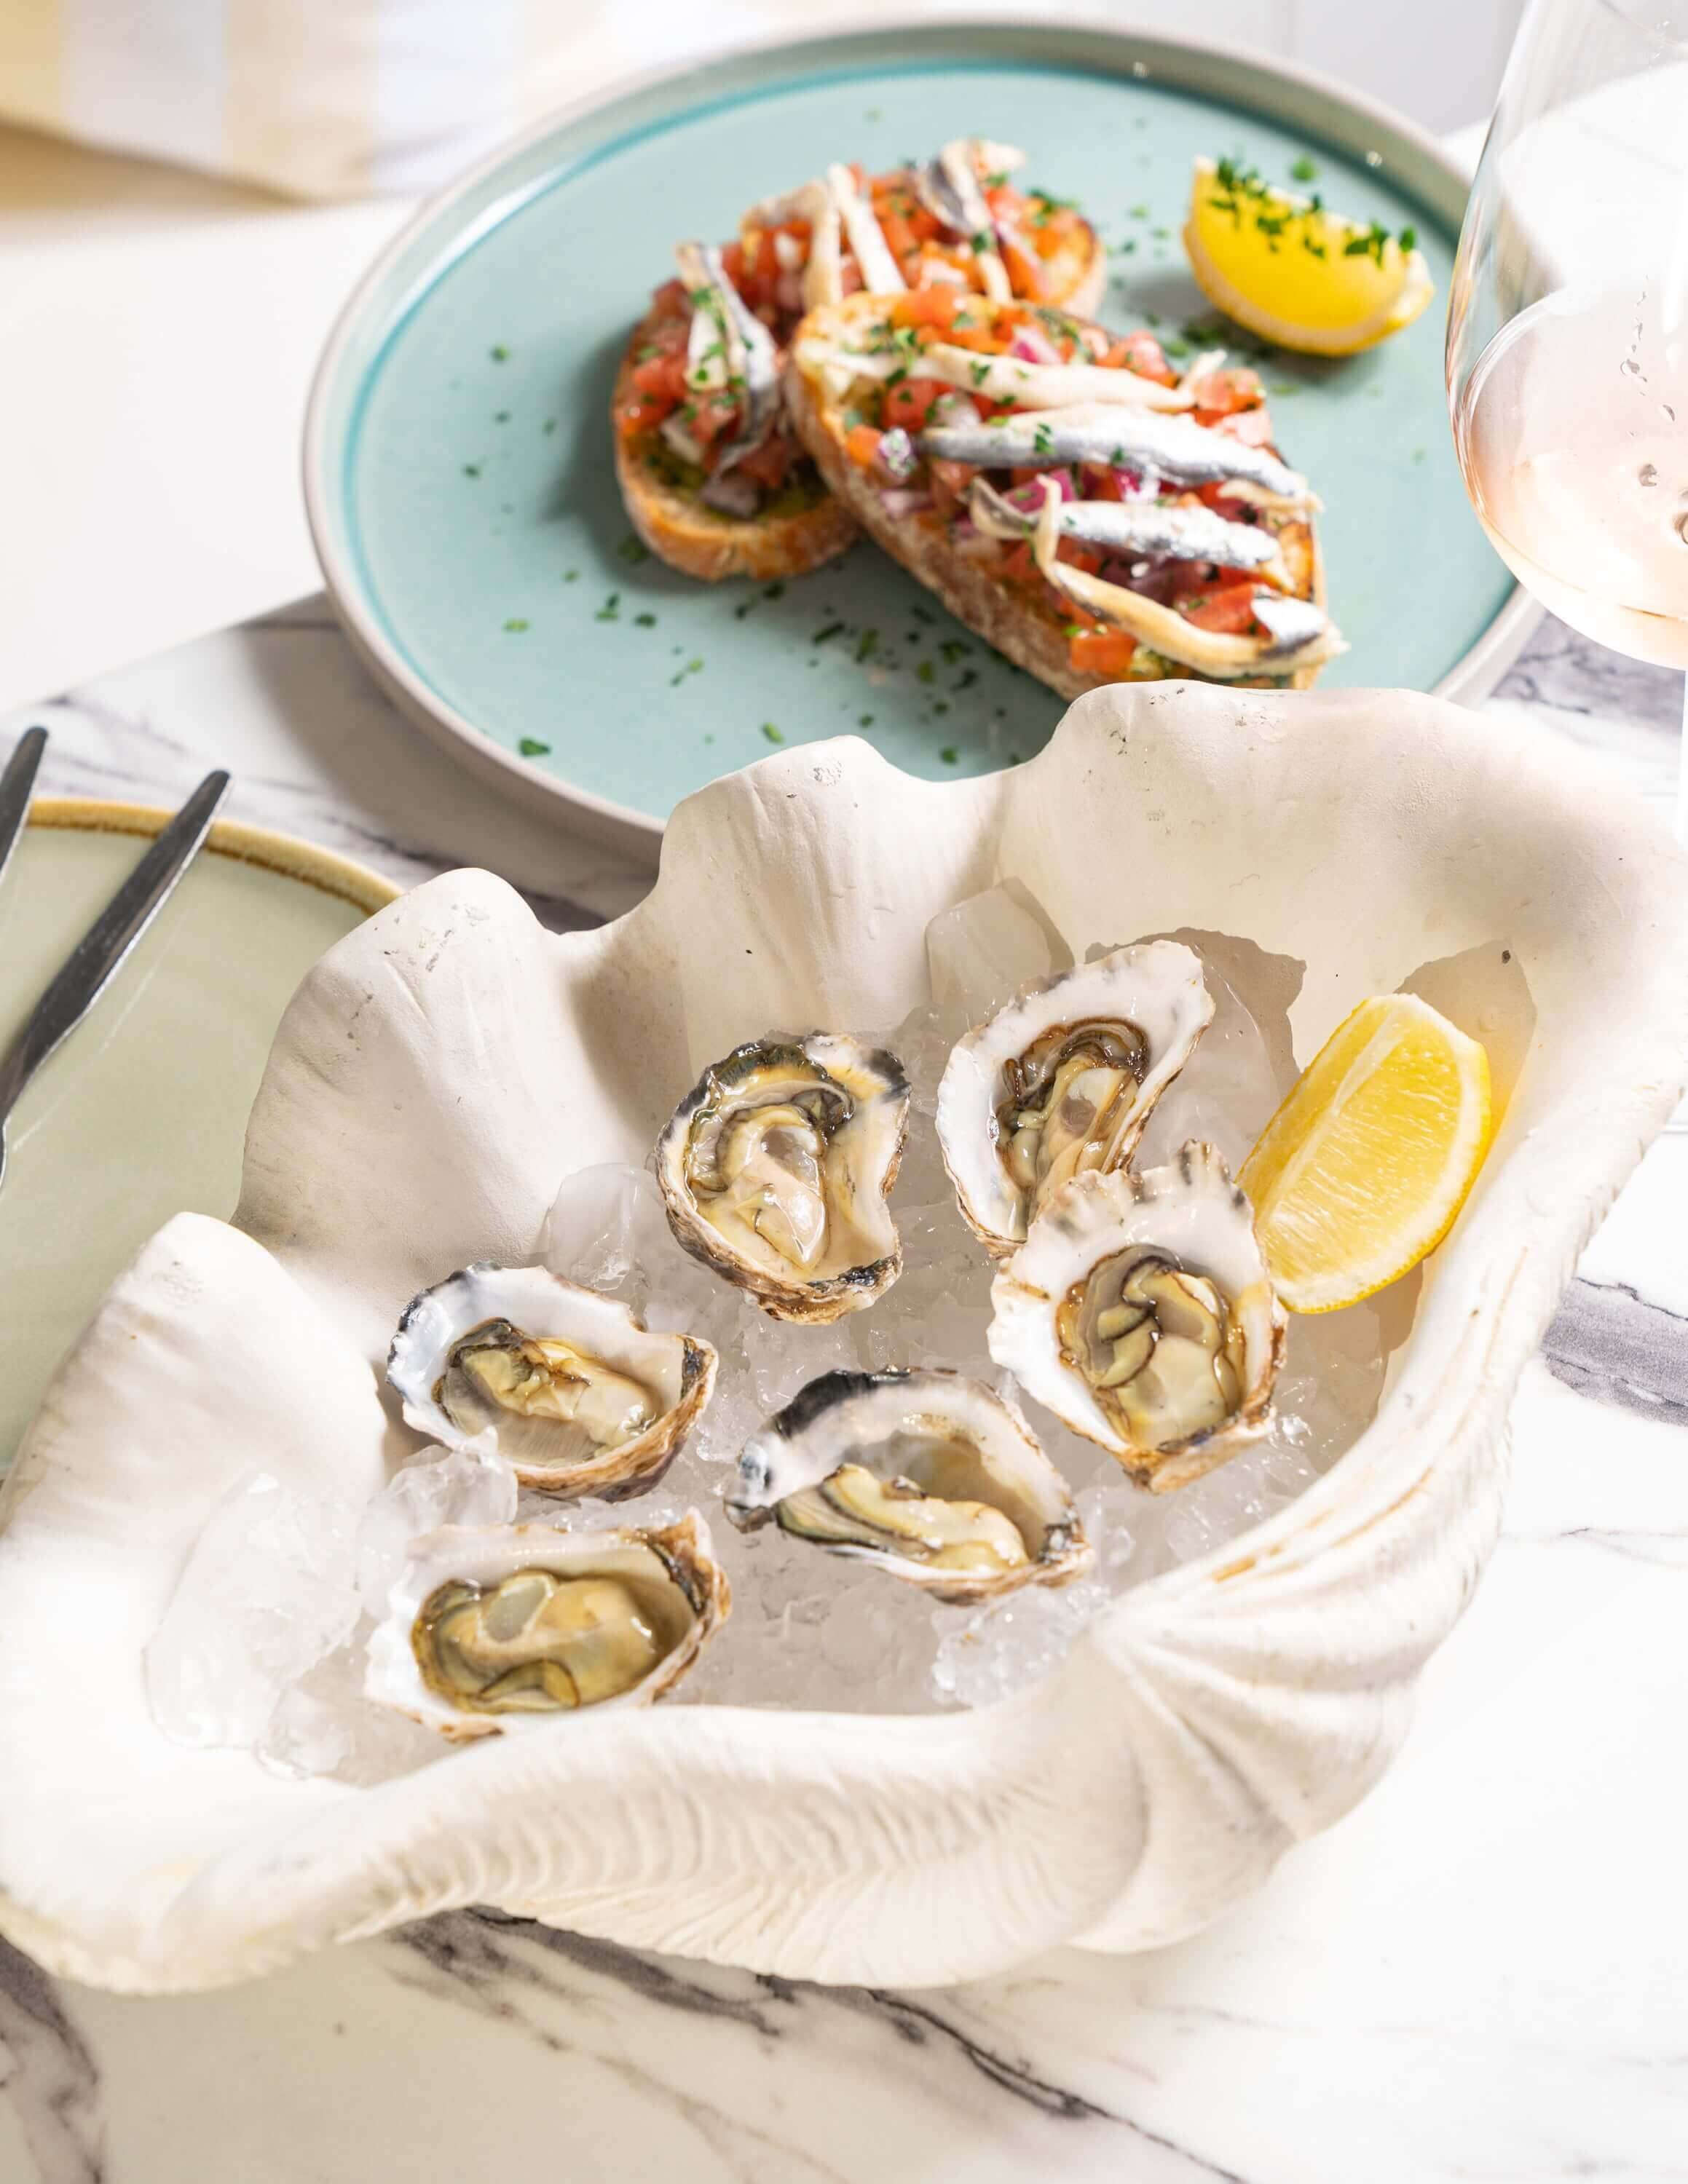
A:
(1062, 1080)
(776, 1168)
(567, 1385)
(1140, 1311)
(935, 1477)
(510, 1626)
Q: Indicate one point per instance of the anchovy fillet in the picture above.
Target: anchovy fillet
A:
(1137, 528)
(1300, 635)
(948, 187)
(751, 360)
(1001, 378)
(881, 274)
(1176, 448)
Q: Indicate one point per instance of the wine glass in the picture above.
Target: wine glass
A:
(1567, 322)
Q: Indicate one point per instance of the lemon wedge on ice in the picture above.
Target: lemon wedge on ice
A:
(1296, 275)
(1361, 1170)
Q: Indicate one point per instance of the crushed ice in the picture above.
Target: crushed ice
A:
(263, 1642)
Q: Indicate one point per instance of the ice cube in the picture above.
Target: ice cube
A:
(1226, 1094)
(978, 953)
(323, 1724)
(269, 1586)
(985, 1654)
(442, 1486)
(607, 1228)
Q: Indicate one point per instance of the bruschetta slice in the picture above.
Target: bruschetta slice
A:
(1091, 513)
(715, 481)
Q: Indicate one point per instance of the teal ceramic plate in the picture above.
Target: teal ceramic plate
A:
(458, 465)
(142, 1112)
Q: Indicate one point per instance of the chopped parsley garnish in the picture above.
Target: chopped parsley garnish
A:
(633, 549)
(771, 733)
(950, 756)
(867, 643)
(500, 417)
(515, 622)
(978, 374)
(571, 575)
(774, 591)
(550, 424)
(742, 609)
(611, 609)
(866, 720)
(982, 241)
(953, 649)
(645, 621)
(500, 354)
(926, 673)
(970, 676)
(472, 469)
(530, 747)
(920, 615)
(1304, 169)
(1139, 212)
(1042, 441)
(832, 629)
(691, 667)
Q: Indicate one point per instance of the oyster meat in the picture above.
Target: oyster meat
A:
(1140, 1311)
(935, 1477)
(776, 1166)
(507, 1627)
(1063, 1079)
(565, 1384)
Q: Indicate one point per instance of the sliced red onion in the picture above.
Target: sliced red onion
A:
(897, 456)
(898, 501)
(1136, 484)
(1031, 345)
(1028, 498)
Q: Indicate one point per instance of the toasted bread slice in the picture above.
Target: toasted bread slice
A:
(802, 526)
(681, 528)
(1026, 627)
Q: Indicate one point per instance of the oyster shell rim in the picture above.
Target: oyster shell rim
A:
(960, 1080)
(393, 1676)
(798, 1303)
(630, 1467)
(1068, 1556)
(1019, 1307)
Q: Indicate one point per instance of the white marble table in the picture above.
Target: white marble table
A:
(1482, 1973)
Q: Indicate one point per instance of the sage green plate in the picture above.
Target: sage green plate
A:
(458, 461)
(142, 1112)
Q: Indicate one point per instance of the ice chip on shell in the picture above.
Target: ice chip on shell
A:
(442, 1486)
(979, 953)
(268, 1587)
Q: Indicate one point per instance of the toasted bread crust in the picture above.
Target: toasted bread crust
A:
(1000, 614)
(681, 529)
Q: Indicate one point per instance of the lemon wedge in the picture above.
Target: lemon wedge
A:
(1361, 1170)
(1296, 275)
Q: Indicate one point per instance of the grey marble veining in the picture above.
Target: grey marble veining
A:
(1477, 1974)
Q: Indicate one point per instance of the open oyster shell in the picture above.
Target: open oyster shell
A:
(1063, 1079)
(935, 1478)
(776, 1166)
(508, 1627)
(568, 1386)
(1139, 1310)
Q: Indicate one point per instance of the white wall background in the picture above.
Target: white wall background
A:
(160, 327)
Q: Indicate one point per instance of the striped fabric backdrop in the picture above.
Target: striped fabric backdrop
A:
(341, 97)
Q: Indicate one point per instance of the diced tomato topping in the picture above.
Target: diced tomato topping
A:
(1025, 270)
(1228, 609)
(861, 445)
(909, 404)
(1018, 565)
(1253, 427)
(1142, 353)
(933, 307)
(1101, 652)
(663, 375)
(770, 465)
(950, 483)
(1218, 393)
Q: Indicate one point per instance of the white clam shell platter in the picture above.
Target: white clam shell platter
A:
(449, 1064)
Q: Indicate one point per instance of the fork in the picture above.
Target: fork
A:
(103, 949)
